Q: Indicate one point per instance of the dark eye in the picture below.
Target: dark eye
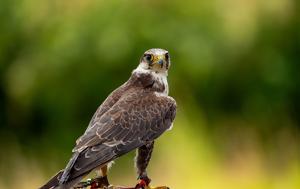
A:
(167, 56)
(148, 57)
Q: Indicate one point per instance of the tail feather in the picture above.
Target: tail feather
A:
(54, 181)
(62, 178)
(66, 174)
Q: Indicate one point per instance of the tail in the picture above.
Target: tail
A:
(54, 181)
(66, 174)
(61, 179)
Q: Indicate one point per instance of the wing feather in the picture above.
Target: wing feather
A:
(122, 128)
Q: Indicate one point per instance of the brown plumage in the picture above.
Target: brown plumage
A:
(131, 117)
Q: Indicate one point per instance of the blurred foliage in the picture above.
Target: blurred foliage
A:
(234, 74)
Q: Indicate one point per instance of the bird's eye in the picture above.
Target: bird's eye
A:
(148, 57)
(167, 56)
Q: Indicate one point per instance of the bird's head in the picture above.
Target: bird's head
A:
(157, 60)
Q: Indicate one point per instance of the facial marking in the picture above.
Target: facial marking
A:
(154, 60)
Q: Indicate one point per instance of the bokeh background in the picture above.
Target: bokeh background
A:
(235, 76)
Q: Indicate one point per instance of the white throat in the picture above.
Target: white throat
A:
(161, 77)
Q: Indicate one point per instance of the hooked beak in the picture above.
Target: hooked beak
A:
(159, 60)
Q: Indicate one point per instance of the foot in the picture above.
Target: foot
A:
(150, 187)
(100, 182)
(145, 187)
(143, 183)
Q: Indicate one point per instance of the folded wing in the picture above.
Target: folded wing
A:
(137, 118)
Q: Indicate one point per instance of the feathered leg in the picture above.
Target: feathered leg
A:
(142, 159)
(104, 179)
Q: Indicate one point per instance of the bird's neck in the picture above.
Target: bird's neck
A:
(156, 81)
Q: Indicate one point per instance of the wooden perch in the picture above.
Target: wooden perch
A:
(97, 183)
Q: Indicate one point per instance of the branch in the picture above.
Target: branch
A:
(99, 183)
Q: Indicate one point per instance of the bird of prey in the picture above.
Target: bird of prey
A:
(131, 117)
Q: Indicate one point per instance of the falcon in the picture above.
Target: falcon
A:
(131, 117)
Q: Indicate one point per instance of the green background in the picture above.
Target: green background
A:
(235, 76)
